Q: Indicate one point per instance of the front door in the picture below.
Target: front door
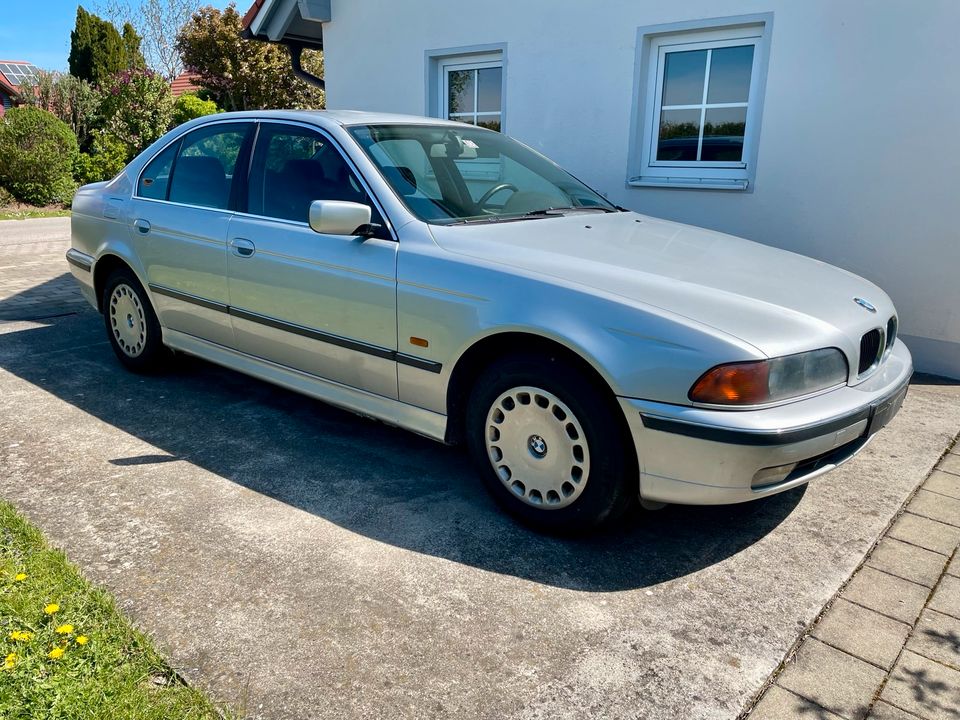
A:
(322, 304)
(180, 213)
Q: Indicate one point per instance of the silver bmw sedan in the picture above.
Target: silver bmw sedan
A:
(449, 280)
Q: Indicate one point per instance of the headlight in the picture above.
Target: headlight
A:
(766, 381)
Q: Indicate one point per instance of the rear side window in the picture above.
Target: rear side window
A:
(198, 170)
(155, 180)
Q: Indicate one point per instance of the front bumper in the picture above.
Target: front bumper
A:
(696, 456)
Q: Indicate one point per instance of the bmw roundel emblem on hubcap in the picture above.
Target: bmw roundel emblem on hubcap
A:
(865, 304)
(537, 445)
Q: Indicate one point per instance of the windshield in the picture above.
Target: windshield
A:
(449, 175)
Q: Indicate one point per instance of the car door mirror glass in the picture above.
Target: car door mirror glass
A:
(339, 217)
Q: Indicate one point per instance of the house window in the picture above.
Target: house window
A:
(701, 109)
(469, 89)
(474, 92)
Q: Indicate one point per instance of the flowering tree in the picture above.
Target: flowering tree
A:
(137, 107)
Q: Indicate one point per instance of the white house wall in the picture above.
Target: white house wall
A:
(859, 151)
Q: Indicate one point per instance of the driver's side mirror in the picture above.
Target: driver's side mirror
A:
(338, 217)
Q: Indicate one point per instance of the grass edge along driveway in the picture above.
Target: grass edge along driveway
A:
(65, 649)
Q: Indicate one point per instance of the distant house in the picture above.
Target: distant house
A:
(12, 74)
(183, 83)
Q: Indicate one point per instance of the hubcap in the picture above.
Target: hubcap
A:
(127, 320)
(537, 447)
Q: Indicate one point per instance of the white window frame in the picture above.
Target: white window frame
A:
(477, 57)
(653, 45)
(472, 63)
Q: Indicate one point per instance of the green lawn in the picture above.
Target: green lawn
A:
(65, 650)
(32, 213)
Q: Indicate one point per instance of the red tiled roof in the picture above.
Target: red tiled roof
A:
(183, 83)
(6, 86)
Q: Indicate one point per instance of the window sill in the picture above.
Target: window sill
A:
(688, 183)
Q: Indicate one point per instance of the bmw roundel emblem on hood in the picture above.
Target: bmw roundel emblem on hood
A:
(865, 304)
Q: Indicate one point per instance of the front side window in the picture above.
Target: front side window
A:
(292, 167)
(448, 174)
(471, 90)
(701, 112)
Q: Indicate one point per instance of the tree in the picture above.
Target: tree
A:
(131, 47)
(157, 22)
(76, 102)
(37, 153)
(244, 74)
(137, 107)
(97, 50)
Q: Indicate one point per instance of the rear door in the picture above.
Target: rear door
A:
(181, 209)
(322, 304)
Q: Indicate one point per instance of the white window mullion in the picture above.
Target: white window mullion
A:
(703, 101)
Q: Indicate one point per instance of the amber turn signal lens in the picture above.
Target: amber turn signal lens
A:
(736, 384)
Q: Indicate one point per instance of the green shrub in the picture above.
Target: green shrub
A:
(106, 158)
(37, 153)
(190, 106)
(137, 105)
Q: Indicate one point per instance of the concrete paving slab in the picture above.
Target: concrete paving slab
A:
(924, 688)
(832, 679)
(926, 533)
(937, 637)
(887, 594)
(936, 506)
(886, 711)
(944, 483)
(954, 567)
(950, 463)
(780, 704)
(910, 562)
(861, 632)
(947, 597)
(296, 561)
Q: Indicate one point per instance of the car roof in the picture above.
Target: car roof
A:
(338, 117)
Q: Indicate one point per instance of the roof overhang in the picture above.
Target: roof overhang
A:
(297, 23)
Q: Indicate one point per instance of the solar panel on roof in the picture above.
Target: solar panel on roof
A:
(17, 73)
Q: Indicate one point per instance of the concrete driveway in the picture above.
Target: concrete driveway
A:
(299, 562)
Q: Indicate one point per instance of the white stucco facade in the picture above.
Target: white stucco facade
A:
(857, 161)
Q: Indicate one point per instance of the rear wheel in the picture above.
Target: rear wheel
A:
(549, 444)
(132, 326)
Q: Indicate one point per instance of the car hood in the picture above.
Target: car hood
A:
(775, 300)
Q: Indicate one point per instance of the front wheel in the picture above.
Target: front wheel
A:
(549, 444)
(132, 326)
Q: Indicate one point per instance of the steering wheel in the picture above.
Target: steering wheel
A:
(485, 198)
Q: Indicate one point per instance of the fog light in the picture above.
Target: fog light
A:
(771, 476)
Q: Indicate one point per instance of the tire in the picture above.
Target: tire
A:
(131, 324)
(524, 408)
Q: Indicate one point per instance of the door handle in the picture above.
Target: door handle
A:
(142, 226)
(242, 248)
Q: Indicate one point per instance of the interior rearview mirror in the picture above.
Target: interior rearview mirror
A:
(338, 217)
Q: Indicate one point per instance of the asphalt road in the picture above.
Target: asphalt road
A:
(300, 562)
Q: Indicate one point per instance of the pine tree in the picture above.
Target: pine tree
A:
(97, 50)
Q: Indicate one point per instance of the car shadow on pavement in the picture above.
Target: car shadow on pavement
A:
(378, 481)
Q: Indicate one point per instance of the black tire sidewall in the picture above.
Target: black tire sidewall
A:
(611, 484)
(154, 352)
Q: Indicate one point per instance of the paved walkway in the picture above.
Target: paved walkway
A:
(888, 647)
(34, 282)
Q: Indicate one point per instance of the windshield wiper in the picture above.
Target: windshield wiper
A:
(561, 210)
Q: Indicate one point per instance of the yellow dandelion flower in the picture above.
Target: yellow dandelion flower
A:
(10, 661)
(21, 635)
(64, 630)
(20, 577)
(56, 653)
(51, 608)
(82, 639)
